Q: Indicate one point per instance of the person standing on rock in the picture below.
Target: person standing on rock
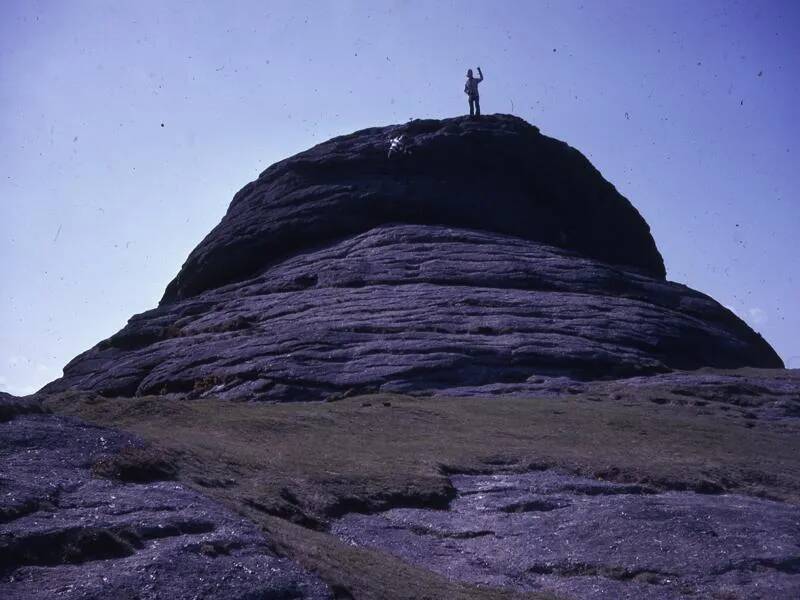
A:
(471, 90)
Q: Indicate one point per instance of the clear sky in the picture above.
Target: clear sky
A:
(126, 128)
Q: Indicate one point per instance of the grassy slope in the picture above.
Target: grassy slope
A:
(308, 463)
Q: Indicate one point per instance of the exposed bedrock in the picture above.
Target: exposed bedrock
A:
(584, 538)
(497, 174)
(417, 308)
(78, 521)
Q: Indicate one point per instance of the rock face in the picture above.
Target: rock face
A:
(584, 538)
(491, 255)
(67, 533)
(488, 260)
(498, 174)
(768, 394)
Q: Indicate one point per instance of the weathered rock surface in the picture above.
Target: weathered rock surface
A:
(496, 174)
(65, 533)
(413, 308)
(490, 260)
(772, 394)
(490, 255)
(584, 538)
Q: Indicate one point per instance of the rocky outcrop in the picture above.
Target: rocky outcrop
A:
(488, 260)
(583, 538)
(68, 531)
(489, 255)
(415, 308)
(600, 494)
(496, 174)
(769, 394)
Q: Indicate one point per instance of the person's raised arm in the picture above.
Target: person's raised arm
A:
(480, 74)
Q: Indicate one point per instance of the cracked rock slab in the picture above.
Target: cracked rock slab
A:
(67, 534)
(585, 538)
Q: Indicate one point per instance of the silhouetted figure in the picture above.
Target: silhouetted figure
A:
(471, 90)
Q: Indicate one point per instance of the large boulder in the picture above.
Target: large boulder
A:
(496, 174)
(487, 255)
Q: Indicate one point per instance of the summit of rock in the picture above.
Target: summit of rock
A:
(497, 173)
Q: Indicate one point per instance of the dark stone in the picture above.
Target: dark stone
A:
(488, 260)
(13, 406)
(148, 541)
(496, 174)
(491, 255)
(412, 308)
(754, 394)
(582, 538)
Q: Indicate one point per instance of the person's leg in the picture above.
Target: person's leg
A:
(471, 106)
(477, 106)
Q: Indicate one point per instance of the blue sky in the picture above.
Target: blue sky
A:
(126, 128)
